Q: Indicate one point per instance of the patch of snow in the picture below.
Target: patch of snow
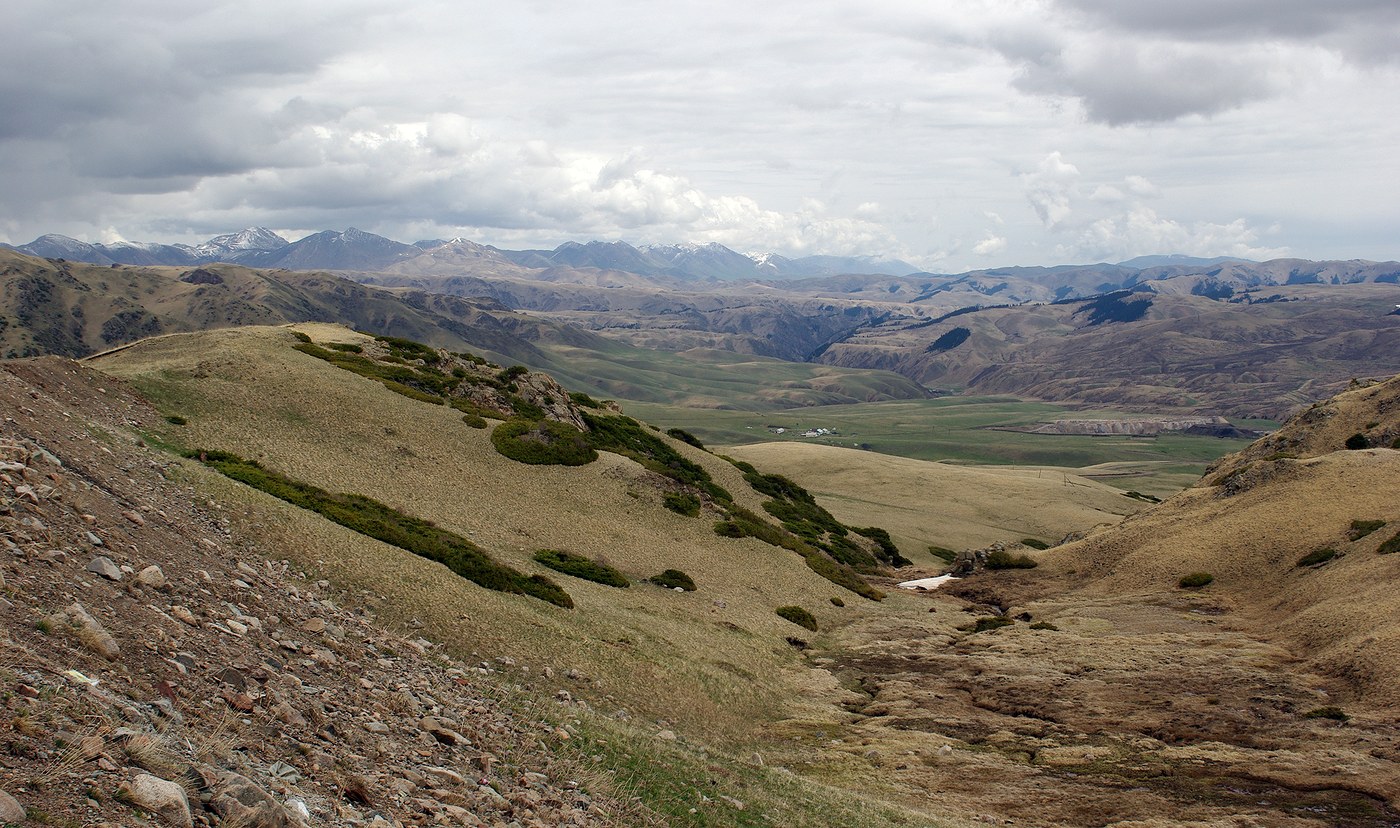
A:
(927, 583)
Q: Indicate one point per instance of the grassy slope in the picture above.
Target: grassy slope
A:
(245, 391)
(924, 503)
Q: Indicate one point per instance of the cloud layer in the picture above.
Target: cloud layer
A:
(1087, 127)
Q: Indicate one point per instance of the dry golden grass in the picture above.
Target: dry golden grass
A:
(923, 503)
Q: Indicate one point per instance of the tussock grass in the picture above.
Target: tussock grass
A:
(798, 616)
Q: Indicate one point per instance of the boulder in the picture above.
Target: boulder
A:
(160, 796)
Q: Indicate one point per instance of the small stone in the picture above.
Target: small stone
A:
(377, 727)
(93, 635)
(134, 517)
(10, 810)
(160, 796)
(94, 540)
(756, 759)
(315, 625)
(945, 750)
(152, 577)
(182, 614)
(666, 736)
(104, 566)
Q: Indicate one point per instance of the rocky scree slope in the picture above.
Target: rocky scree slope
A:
(155, 663)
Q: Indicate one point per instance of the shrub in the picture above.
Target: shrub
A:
(1390, 546)
(376, 520)
(1034, 543)
(412, 393)
(474, 420)
(1001, 559)
(176, 419)
(583, 567)
(682, 503)
(889, 552)
(1195, 580)
(1362, 528)
(1317, 556)
(542, 443)
(673, 578)
(1334, 713)
(345, 347)
(985, 623)
(943, 553)
(1045, 625)
(685, 437)
(1357, 441)
(1145, 498)
(581, 399)
(798, 616)
(625, 436)
(301, 337)
(837, 602)
(409, 349)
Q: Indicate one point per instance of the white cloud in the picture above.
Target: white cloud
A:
(1140, 231)
(990, 244)
(1048, 189)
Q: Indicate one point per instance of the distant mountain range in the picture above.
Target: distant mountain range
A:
(356, 250)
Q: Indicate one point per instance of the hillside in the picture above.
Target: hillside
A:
(1147, 351)
(75, 309)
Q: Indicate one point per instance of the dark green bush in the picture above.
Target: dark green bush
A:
(837, 602)
(474, 420)
(376, 520)
(345, 347)
(409, 349)
(1357, 441)
(1146, 498)
(301, 337)
(943, 553)
(682, 503)
(583, 567)
(1034, 543)
(625, 436)
(1390, 546)
(413, 393)
(673, 578)
(582, 399)
(542, 443)
(1362, 528)
(176, 419)
(1195, 580)
(798, 616)
(525, 409)
(1317, 556)
(1002, 559)
(1045, 625)
(685, 437)
(987, 622)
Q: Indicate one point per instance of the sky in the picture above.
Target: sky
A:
(953, 134)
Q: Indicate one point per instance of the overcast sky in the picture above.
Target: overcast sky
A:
(953, 133)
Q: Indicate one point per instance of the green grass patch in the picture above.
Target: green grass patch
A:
(377, 520)
(1317, 556)
(542, 443)
(1195, 580)
(1002, 559)
(674, 579)
(581, 566)
(986, 623)
(798, 616)
(682, 503)
(1361, 528)
(942, 553)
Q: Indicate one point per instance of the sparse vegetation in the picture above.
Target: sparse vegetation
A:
(1317, 557)
(581, 566)
(542, 443)
(682, 503)
(1336, 714)
(798, 616)
(1195, 580)
(1390, 546)
(376, 520)
(1145, 498)
(1034, 543)
(674, 579)
(1361, 528)
(1002, 559)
